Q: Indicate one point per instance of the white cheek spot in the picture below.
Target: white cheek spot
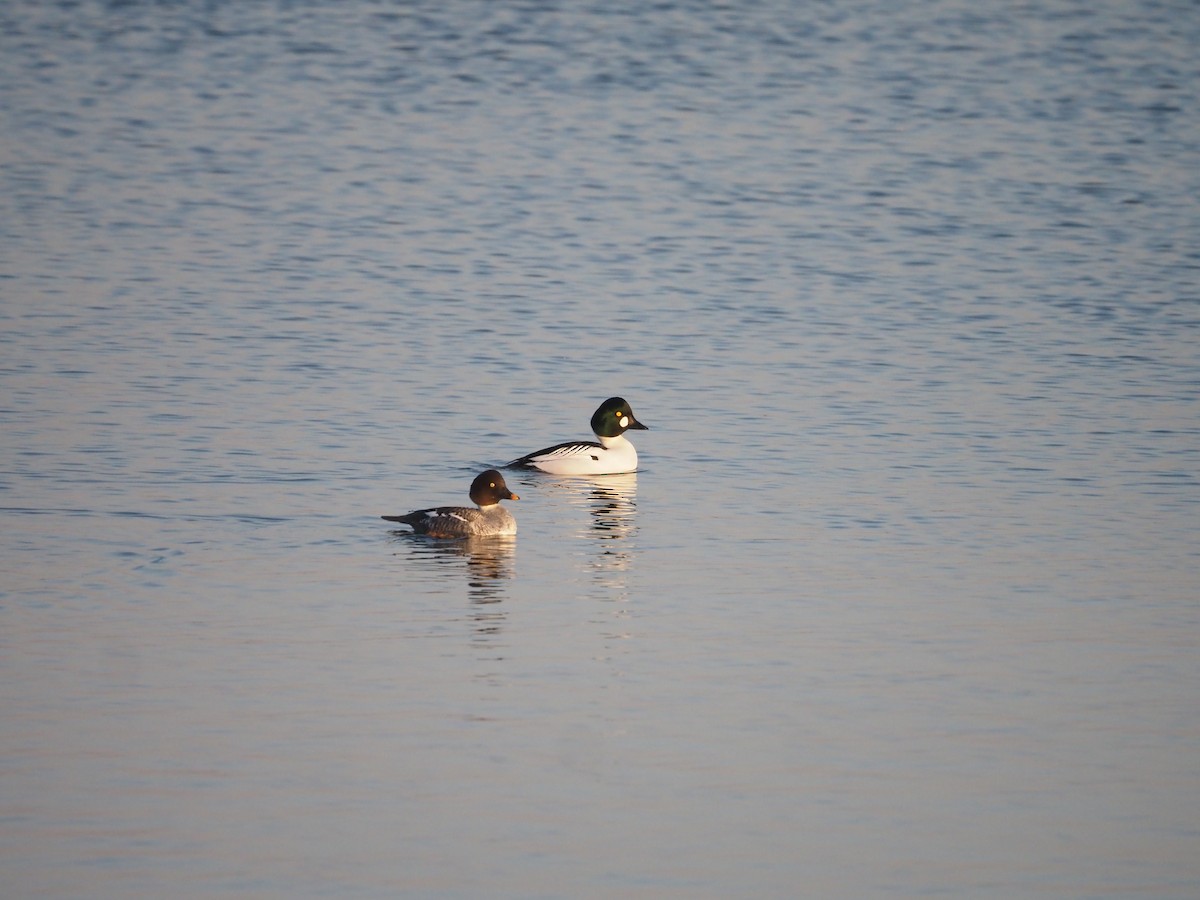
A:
(624, 421)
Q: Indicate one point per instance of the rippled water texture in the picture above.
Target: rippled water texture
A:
(903, 600)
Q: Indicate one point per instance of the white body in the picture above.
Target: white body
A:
(614, 456)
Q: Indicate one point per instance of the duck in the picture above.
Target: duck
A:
(613, 454)
(487, 490)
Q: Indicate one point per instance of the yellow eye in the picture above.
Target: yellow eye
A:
(491, 484)
(619, 414)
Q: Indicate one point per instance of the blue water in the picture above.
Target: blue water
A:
(904, 600)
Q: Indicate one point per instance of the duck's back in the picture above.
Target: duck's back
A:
(583, 458)
(459, 521)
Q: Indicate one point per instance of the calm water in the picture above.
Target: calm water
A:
(905, 600)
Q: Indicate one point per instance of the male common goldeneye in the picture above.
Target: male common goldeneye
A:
(613, 455)
(487, 490)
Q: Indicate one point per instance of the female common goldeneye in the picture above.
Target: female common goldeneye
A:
(487, 490)
(613, 455)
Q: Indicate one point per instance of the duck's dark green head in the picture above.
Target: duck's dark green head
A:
(614, 417)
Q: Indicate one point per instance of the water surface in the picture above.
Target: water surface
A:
(903, 601)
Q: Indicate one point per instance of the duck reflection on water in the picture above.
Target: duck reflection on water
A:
(611, 501)
(488, 561)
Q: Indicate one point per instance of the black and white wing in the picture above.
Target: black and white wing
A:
(568, 450)
(441, 521)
